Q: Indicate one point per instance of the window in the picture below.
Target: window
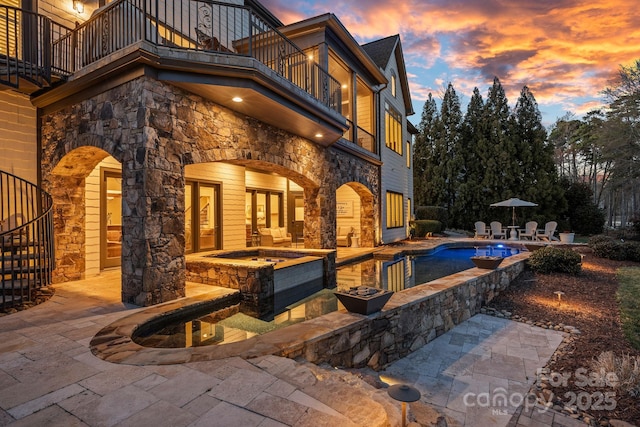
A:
(408, 154)
(202, 216)
(395, 210)
(393, 128)
(393, 85)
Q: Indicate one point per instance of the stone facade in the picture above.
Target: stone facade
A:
(154, 130)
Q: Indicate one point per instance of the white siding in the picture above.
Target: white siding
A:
(232, 189)
(92, 216)
(18, 136)
(348, 195)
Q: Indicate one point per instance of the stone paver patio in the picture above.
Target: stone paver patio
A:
(48, 376)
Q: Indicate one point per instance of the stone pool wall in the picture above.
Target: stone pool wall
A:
(255, 279)
(412, 318)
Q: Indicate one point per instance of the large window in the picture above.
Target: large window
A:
(395, 210)
(393, 128)
(264, 209)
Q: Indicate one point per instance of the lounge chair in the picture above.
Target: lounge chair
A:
(481, 230)
(530, 230)
(497, 232)
(547, 233)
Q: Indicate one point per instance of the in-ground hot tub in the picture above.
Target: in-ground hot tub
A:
(266, 278)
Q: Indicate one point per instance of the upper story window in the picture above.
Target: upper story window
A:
(393, 128)
(393, 84)
(408, 154)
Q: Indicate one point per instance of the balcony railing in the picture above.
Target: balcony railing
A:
(361, 138)
(26, 240)
(198, 25)
(26, 47)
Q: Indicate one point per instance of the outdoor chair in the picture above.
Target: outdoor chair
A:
(497, 232)
(481, 230)
(547, 233)
(530, 230)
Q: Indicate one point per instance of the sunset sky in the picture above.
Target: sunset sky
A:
(566, 51)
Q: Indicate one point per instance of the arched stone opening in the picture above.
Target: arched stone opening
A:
(355, 213)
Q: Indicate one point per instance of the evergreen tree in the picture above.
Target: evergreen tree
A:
(535, 176)
(498, 149)
(451, 160)
(471, 205)
(424, 153)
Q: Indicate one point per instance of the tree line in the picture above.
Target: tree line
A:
(602, 149)
(465, 162)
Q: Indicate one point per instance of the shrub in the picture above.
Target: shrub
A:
(436, 213)
(549, 259)
(424, 226)
(633, 251)
(599, 238)
(610, 249)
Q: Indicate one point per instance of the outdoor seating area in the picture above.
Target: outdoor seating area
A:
(497, 231)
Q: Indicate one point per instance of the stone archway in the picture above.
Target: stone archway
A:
(154, 130)
(66, 184)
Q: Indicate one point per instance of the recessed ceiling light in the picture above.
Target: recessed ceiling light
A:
(319, 135)
(344, 86)
(236, 99)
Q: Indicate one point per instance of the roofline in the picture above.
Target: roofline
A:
(331, 21)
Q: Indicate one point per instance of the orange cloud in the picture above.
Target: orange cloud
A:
(566, 51)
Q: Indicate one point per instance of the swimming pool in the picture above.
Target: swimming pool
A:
(311, 300)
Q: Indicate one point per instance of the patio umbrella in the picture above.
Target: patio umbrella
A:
(514, 203)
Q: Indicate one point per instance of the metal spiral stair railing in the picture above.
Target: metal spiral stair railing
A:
(26, 240)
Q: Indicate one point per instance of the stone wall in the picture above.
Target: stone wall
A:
(411, 319)
(255, 280)
(154, 130)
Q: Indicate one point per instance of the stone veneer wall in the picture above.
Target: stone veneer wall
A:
(154, 129)
(254, 280)
(412, 318)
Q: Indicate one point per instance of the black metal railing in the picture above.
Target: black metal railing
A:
(200, 25)
(361, 138)
(26, 240)
(26, 47)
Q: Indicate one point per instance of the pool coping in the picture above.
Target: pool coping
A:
(114, 342)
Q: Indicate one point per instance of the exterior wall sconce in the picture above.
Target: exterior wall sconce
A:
(78, 6)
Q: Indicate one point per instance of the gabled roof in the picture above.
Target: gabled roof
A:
(381, 52)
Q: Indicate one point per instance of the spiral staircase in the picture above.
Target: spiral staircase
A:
(26, 241)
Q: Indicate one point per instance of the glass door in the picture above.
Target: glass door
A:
(110, 219)
(201, 216)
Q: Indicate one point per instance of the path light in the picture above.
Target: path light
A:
(559, 293)
(404, 393)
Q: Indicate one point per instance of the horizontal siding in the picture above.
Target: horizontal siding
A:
(232, 188)
(18, 136)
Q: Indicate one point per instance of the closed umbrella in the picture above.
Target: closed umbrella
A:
(513, 203)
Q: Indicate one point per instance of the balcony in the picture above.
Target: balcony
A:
(26, 62)
(214, 49)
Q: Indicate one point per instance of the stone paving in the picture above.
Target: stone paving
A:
(48, 376)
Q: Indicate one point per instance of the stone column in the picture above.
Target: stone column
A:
(320, 217)
(153, 262)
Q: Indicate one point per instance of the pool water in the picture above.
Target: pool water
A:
(310, 300)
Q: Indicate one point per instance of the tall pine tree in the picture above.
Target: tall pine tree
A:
(537, 178)
(424, 152)
(498, 149)
(452, 161)
(471, 204)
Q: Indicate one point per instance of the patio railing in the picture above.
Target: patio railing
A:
(199, 25)
(26, 240)
(26, 40)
